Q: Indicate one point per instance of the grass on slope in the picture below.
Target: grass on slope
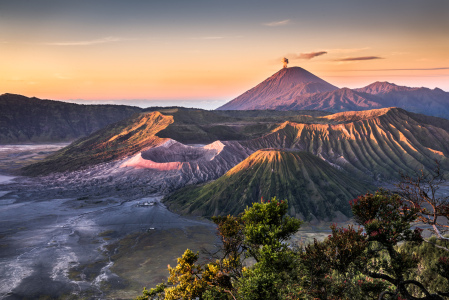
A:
(313, 187)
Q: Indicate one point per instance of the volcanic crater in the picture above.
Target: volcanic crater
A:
(177, 152)
(173, 155)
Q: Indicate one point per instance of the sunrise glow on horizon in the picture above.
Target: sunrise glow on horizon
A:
(215, 50)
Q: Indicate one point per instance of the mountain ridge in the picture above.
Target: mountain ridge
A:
(25, 120)
(329, 98)
(374, 144)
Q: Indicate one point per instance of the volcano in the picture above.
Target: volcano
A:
(314, 188)
(297, 89)
(279, 89)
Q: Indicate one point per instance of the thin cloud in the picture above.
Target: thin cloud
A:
(279, 23)
(359, 58)
(309, 55)
(109, 39)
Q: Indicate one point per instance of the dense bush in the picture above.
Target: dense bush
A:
(385, 258)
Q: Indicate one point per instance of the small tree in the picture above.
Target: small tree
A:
(332, 267)
(261, 233)
(387, 220)
(267, 229)
(421, 192)
(336, 264)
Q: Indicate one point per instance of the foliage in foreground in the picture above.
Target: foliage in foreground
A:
(380, 260)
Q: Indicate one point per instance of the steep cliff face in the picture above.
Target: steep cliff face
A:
(24, 119)
(376, 144)
(314, 189)
(282, 86)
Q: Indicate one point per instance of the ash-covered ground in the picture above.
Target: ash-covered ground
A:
(60, 234)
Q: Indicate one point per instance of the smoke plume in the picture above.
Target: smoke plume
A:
(285, 61)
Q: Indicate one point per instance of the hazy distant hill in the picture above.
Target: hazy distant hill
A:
(296, 89)
(24, 119)
(313, 187)
(434, 102)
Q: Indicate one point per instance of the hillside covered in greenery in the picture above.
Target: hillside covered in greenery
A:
(315, 189)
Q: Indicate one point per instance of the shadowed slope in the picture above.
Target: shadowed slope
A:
(115, 141)
(197, 126)
(313, 187)
(24, 119)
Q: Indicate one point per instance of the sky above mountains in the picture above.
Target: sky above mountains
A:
(209, 52)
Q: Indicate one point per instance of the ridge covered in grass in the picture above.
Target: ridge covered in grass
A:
(313, 187)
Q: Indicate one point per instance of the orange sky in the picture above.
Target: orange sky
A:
(115, 51)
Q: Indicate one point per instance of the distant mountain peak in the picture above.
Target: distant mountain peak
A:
(382, 87)
(297, 74)
(283, 86)
(382, 83)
